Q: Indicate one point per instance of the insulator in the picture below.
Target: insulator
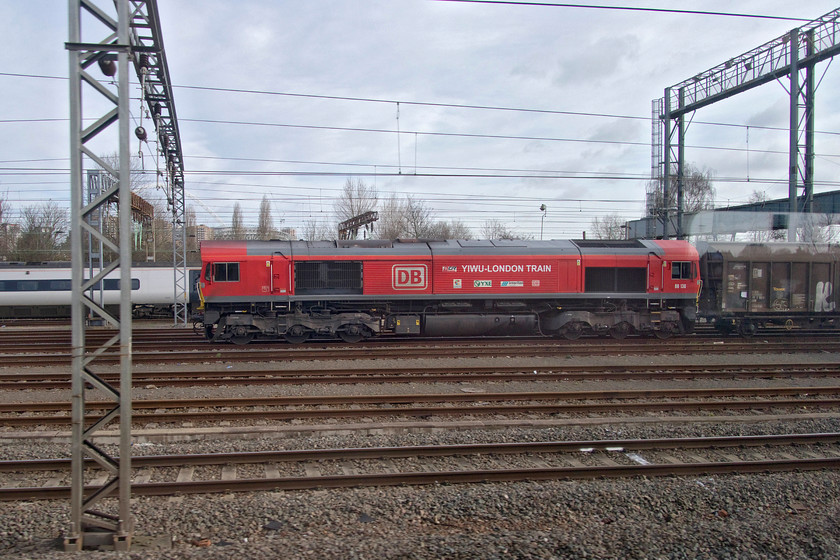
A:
(156, 109)
(140, 133)
(144, 60)
(108, 66)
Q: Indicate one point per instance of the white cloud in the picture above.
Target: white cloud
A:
(410, 50)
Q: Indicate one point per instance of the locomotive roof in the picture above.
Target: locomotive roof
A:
(420, 247)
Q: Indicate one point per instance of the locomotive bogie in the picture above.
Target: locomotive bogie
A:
(342, 325)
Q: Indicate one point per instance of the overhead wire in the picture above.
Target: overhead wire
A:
(505, 174)
(628, 9)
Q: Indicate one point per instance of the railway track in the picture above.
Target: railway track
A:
(48, 356)
(247, 375)
(474, 463)
(521, 404)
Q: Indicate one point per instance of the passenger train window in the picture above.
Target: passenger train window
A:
(681, 271)
(226, 272)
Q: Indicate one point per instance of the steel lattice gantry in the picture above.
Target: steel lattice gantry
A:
(126, 33)
(794, 54)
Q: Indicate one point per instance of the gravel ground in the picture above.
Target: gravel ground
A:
(790, 515)
(784, 516)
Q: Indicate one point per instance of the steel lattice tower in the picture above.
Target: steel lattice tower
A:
(128, 36)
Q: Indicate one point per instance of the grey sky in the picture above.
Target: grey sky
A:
(556, 59)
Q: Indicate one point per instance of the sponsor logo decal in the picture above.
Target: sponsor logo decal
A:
(512, 283)
(482, 283)
(456, 283)
(450, 269)
(535, 283)
(409, 277)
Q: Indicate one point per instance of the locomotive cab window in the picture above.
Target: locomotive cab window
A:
(226, 272)
(682, 270)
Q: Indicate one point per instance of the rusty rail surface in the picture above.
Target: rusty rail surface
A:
(787, 443)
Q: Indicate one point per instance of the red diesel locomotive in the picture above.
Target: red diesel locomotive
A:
(295, 290)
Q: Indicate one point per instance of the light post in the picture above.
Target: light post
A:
(542, 219)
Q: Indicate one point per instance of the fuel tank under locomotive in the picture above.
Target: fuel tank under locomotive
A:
(480, 324)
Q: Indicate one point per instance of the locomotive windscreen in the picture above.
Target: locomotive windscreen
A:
(328, 277)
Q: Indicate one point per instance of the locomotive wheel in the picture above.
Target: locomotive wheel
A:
(572, 331)
(241, 335)
(242, 339)
(621, 330)
(297, 334)
(666, 330)
(351, 333)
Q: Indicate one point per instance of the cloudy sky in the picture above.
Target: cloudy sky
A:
(481, 111)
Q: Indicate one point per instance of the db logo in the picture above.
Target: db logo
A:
(409, 277)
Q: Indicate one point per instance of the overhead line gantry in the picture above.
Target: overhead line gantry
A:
(794, 55)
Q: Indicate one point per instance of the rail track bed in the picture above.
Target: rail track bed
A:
(43, 355)
(328, 468)
(530, 405)
(457, 436)
(245, 374)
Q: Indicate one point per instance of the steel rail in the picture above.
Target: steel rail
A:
(505, 448)
(449, 477)
(263, 353)
(349, 400)
(203, 377)
(433, 411)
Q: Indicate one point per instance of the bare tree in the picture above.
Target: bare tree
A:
(43, 229)
(495, 229)
(698, 192)
(418, 218)
(391, 224)
(237, 226)
(265, 226)
(608, 227)
(454, 229)
(315, 229)
(6, 229)
(138, 178)
(355, 199)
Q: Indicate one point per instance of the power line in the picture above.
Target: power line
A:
(404, 102)
(468, 135)
(629, 9)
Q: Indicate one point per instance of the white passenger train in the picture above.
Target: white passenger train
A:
(43, 290)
